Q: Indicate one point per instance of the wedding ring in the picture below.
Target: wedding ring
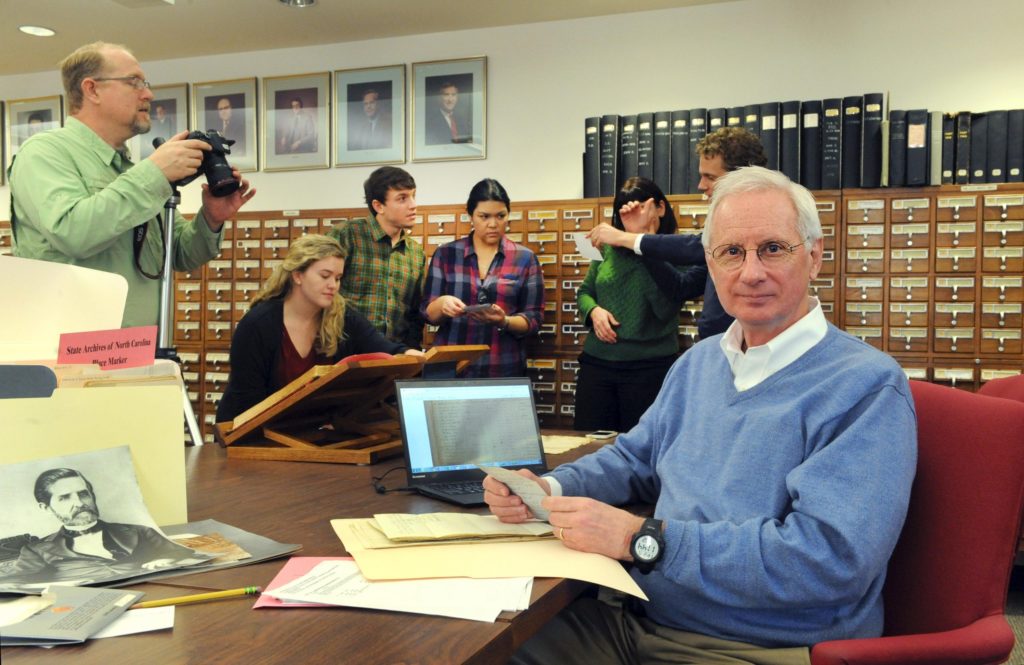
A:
(561, 530)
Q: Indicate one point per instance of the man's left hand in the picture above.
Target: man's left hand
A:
(591, 526)
(219, 209)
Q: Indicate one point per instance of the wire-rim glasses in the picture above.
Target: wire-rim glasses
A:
(133, 81)
(770, 252)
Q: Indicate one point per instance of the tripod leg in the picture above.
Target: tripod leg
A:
(190, 419)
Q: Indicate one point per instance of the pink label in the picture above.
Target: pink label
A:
(110, 349)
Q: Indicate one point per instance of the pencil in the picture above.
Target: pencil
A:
(199, 597)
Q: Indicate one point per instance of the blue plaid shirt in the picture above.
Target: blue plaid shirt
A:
(515, 283)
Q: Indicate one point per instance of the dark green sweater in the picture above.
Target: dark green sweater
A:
(648, 319)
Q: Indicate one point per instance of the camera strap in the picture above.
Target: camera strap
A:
(138, 242)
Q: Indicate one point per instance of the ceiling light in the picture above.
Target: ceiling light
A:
(298, 3)
(36, 31)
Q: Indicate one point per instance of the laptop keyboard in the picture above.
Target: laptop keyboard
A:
(467, 487)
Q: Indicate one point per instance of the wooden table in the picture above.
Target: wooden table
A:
(293, 502)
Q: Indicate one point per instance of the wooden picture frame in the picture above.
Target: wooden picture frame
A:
(449, 102)
(168, 115)
(26, 117)
(229, 107)
(370, 116)
(296, 122)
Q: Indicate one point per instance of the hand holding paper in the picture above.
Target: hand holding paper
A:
(530, 492)
(585, 248)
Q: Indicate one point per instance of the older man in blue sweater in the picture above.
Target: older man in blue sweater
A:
(778, 455)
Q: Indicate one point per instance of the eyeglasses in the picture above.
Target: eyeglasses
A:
(133, 81)
(772, 253)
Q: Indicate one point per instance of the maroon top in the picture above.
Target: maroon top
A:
(292, 365)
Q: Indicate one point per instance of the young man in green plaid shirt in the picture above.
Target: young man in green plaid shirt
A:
(384, 269)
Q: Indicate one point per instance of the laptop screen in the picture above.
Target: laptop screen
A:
(450, 426)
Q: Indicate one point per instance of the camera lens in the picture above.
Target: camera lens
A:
(222, 183)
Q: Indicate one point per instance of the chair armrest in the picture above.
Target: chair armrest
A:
(987, 640)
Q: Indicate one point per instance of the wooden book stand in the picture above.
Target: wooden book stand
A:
(334, 413)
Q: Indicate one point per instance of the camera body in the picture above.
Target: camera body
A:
(215, 164)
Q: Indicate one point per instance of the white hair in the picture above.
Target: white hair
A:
(758, 178)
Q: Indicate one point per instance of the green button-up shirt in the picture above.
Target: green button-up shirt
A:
(77, 200)
(385, 282)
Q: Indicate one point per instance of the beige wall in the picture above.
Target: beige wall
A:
(545, 79)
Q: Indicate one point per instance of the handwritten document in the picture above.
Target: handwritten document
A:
(447, 526)
(527, 490)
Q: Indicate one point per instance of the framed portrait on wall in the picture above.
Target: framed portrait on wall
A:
(370, 116)
(26, 117)
(168, 115)
(229, 107)
(296, 122)
(449, 102)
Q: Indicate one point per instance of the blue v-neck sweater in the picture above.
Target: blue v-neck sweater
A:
(782, 503)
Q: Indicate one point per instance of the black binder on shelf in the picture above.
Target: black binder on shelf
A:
(871, 141)
(734, 116)
(663, 150)
(680, 152)
(831, 143)
(752, 118)
(698, 130)
(770, 133)
(962, 175)
(592, 157)
(789, 144)
(1015, 145)
(996, 155)
(716, 119)
(810, 144)
(979, 148)
(897, 148)
(853, 108)
(609, 154)
(645, 145)
(917, 148)
(627, 150)
(948, 148)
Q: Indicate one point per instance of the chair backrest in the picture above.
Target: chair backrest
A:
(953, 560)
(1010, 387)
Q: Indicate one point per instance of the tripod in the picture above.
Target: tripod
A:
(165, 322)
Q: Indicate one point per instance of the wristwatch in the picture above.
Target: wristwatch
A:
(647, 546)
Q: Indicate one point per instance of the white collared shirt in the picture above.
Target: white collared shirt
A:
(760, 362)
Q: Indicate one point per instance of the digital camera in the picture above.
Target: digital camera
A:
(215, 164)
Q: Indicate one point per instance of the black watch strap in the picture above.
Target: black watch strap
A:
(647, 546)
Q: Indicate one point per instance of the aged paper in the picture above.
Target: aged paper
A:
(529, 558)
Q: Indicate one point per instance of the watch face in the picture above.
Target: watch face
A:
(646, 548)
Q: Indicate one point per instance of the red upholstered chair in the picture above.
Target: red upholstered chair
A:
(946, 588)
(1010, 387)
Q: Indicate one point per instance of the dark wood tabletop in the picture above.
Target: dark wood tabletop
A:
(293, 502)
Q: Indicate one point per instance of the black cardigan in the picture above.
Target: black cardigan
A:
(256, 353)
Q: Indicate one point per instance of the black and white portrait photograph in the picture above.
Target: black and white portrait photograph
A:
(80, 519)
(229, 107)
(370, 116)
(449, 102)
(296, 122)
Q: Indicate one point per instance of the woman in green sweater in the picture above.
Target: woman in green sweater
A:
(632, 306)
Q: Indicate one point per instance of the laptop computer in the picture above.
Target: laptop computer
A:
(449, 426)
